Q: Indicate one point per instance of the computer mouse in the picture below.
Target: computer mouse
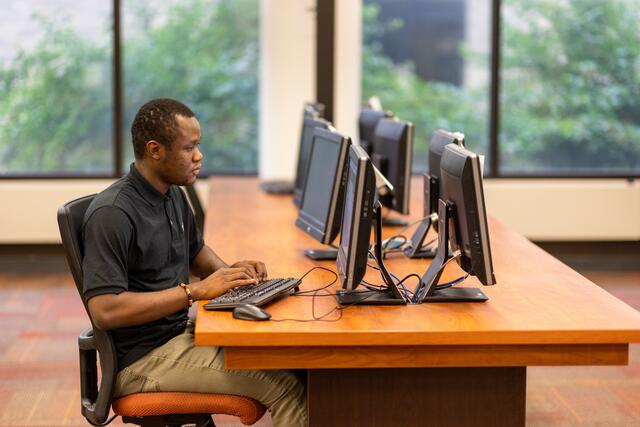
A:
(250, 312)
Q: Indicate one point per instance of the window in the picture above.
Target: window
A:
(428, 62)
(55, 79)
(570, 87)
(205, 54)
(569, 80)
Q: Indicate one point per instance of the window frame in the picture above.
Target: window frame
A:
(324, 87)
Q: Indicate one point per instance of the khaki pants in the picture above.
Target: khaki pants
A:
(179, 365)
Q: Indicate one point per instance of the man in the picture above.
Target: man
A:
(141, 242)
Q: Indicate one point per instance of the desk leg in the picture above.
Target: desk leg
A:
(417, 397)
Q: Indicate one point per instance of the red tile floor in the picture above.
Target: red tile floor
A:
(41, 315)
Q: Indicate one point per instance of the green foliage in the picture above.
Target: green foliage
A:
(569, 94)
(571, 85)
(429, 105)
(56, 108)
(204, 54)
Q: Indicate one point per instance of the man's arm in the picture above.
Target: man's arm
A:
(207, 262)
(110, 311)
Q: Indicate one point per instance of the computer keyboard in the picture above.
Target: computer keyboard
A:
(259, 294)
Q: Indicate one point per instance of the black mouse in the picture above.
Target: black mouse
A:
(250, 312)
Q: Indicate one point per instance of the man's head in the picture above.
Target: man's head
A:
(165, 136)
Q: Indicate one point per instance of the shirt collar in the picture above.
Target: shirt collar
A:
(144, 187)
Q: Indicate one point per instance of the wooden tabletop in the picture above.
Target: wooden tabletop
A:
(538, 304)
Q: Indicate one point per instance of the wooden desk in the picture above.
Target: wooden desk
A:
(541, 312)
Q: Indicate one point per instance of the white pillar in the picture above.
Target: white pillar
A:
(287, 81)
(347, 89)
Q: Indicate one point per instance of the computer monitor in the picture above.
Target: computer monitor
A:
(314, 109)
(367, 122)
(392, 155)
(463, 226)
(360, 210)
(304, 148)
(322, 199)
(431, 188)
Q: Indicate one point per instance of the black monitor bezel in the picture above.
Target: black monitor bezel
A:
(301, 170)
(461, 168)
(368, 120)
(326, 230)
(352, 264)
(401, 149)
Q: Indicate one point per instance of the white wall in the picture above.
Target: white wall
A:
(544, 210)
(567, 209)
(29, 207)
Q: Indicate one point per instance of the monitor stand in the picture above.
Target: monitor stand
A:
(394, 222)
(389, 296)
(321, 254)
(277, 186)
(430, 198)
(446, 225)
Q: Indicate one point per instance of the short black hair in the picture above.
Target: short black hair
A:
(156, 120)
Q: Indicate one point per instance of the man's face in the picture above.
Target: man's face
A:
(181, 164)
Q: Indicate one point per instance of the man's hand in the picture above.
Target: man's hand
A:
(220, 282)
(255, 269)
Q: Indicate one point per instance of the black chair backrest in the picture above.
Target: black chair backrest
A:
(70, 218)
(96, 403)
(196, 205)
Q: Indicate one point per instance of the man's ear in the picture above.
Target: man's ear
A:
(155, 150)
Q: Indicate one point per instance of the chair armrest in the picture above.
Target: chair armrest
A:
(96, 398)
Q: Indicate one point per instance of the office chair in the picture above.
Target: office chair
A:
(144, 409)
(196, 206)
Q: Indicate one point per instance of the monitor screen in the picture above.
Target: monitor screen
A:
(440, 139)
(392, 155)
(356, 219)
(367, 122)
(462, 187)
(321, 203)
(304, 148)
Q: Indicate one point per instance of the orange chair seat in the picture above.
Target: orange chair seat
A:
(166, 403)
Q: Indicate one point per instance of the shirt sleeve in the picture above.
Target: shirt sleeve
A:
(108, 233)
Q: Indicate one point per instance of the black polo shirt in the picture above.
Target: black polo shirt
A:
(140, 240)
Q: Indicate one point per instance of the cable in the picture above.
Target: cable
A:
(401, 234)
(400, 282)
(429, 243)
(338, 308)
(421, 288)
(452, 283)
(385, 243)
(335, 279)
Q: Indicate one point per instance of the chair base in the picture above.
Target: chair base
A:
(178, 420)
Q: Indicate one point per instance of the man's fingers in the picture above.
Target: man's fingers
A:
(242, 282)
(261, 269)
(230, 270)
(239, 275)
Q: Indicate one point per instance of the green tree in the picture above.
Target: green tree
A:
(55, 111)
(430, 105)
(56, 108)
(204, 53)
(570, 96)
